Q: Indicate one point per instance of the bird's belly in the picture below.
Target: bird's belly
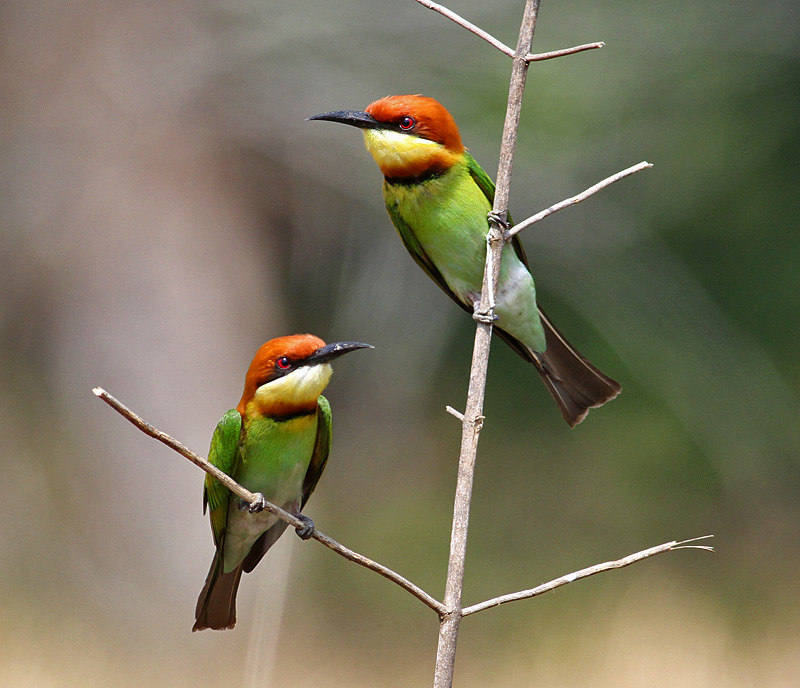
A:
(278, 473)
(515, 303)
(455, 241)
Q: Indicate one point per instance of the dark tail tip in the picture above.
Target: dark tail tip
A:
(575, 384)
(216, 606)
(575, 396)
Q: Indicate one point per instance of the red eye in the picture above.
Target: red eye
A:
(407, 122)
(283, 363)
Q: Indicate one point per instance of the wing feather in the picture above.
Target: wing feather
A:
(322, 447)
(223, 454)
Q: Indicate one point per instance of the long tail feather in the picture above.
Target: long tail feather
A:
(216, 606)
(575, 384)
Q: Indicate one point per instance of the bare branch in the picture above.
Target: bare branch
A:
(585, 573)
(576, 199)
(473, 413)
(258, 499)
(538, 57)
(384, 571)
(469, 26)
(209, 468)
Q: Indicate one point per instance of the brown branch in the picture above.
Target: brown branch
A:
(608, 181)
(257, 500)
(172, 443)
(585, 573)
(473, 413)
(469, 26)
(538, 57)
(502, 47)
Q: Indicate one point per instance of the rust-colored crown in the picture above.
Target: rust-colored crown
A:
(432, 120)
(294, 347)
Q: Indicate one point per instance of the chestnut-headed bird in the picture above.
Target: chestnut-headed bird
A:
(438, 198)
(276, 442)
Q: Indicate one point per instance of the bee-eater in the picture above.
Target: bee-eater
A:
(438, 198)
(276, 442)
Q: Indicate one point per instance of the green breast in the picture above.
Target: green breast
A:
(275, 455)
(273, 460)
(448, 217)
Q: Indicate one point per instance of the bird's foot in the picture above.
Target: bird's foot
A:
(258, 504)
(307, 529)
(485, 317)
(499, 219)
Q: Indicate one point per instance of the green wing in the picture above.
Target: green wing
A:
(418, 254)
(486, 185)
(223, 454)
(322, 447)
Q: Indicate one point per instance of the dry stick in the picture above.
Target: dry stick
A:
(502, 47)
(538, 57)
(608, 181)
(585, 573)
(438, 607)
(473, 414)
(469, 26)
(257, 499)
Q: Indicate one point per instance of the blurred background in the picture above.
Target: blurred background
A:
(165, 209)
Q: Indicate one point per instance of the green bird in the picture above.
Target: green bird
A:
(276, 442)
(438, 198)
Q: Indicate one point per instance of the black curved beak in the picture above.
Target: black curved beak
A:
(355, 118)
(331, 351)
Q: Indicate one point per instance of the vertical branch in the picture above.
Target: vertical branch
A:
(473, 414)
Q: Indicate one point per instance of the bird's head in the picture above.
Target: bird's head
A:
(288, 374)
(408, 136)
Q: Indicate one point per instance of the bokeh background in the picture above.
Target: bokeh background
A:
(165, 208)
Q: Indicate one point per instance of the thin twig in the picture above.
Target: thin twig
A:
(455, 413)
(257, 498)
(538, 57)
(172, 443)
(469, 26)
(473, 412)
(576, 199)
(585, 573)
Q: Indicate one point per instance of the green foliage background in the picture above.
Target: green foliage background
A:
(166, 209)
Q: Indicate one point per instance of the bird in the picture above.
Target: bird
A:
(275, 442)
(438, 199)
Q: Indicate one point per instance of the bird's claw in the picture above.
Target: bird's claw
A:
(485, 317)
(305, 531)
(498, 219)
(258, 504)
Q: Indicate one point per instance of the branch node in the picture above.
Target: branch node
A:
(477, 421)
